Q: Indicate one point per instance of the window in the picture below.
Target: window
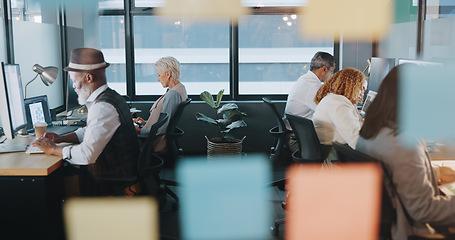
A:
(201, 48)
(110, 4)
(437, 35)
(26, 10)
(440, 9)
(112, 35)
(272, 54)
(264, 54)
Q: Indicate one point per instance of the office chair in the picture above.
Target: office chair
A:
(310, 149)
(150, 164)
(279, 131)
(348, 155)
(143, 162)
(173, 133)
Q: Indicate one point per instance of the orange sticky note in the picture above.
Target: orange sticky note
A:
(340, 202)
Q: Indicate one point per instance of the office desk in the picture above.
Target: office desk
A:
(31, 195)
(442, 151)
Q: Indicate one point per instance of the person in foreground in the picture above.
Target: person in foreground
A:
(336, 117)
(413, 176)
(108, 144)
(168, 70)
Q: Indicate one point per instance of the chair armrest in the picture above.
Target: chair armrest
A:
(169, 182)
(178, 133)
(275, 131)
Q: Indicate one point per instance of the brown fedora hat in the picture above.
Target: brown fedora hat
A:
(86, 59)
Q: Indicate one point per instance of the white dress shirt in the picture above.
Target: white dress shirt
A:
(301, 98)
(102, 122)
(337, 119)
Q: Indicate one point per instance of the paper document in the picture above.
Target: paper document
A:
(448, 189)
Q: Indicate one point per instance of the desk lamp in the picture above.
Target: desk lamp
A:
(47, 74)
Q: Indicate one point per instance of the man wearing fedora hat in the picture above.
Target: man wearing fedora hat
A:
(108, 144)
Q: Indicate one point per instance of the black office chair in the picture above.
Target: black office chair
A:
(150, 165)
(142, 162)
(348, 155)
(310, 149)
(173, 133)
(279, 131)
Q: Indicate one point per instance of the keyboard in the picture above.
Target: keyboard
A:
(31, 150)
(61, 130)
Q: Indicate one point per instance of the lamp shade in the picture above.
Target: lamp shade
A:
(47, 74)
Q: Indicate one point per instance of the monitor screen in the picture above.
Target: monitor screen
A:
(71, 97)
(379, 67)
(12, 100)
(37, 110)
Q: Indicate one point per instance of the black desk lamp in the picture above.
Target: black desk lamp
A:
(47, 74)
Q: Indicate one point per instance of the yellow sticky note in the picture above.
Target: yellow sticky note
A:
(200, 9)
(351, 19)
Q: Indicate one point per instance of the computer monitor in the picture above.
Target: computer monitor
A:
(37, 110)
(71, 97)
(12, 108)
(418, 62)
(379, 67)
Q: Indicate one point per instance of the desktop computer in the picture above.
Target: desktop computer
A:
(12, 108)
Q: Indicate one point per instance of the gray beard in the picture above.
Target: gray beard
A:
(82, 95)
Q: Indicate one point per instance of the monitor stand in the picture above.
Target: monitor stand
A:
(22, 131)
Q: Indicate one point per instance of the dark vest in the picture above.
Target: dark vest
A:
(119, 157)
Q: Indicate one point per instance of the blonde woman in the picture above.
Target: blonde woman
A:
(336, 117)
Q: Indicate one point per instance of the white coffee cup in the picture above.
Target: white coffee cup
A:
(40, 129)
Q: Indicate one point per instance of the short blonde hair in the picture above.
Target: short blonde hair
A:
(347, 82)
(165, 64)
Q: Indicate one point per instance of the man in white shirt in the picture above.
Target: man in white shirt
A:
(301, 98)
(108, 144)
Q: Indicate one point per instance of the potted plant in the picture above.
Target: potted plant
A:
(228, 117)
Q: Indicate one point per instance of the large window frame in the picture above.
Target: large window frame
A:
(130, 11)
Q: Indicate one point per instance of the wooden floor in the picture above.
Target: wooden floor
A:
(169, 220)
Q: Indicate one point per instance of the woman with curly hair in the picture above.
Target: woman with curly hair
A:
(336, 117)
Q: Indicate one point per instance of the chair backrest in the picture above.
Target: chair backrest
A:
(309, 146)
(175, 118)
(279, 119)
(348, 155)
(149, 164)
(173, 132)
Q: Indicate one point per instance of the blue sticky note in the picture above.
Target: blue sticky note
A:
(425, 108)
(226, 198)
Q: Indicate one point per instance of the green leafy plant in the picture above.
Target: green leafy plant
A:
(228, 116)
